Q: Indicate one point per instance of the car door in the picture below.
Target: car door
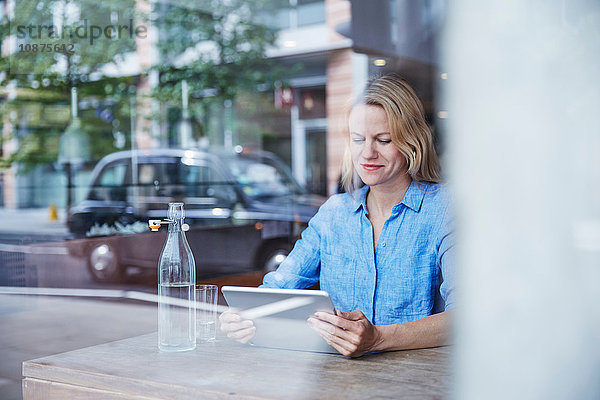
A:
(220, 245)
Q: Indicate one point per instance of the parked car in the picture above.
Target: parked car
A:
(245, 210)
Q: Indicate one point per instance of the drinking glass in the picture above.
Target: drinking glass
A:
(206, 313)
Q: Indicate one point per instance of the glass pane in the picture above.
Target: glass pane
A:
(157, 173)
(260, 179)
(113, 175)
(279, 19)
(195, 178)
(311, 13)
(312, 103)
(110, 185)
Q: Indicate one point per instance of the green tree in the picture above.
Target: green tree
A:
(54, 52)
(219, 48)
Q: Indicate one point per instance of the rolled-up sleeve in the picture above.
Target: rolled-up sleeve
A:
(301, 268)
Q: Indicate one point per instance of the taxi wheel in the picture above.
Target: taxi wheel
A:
(103, 263)
(274, 255)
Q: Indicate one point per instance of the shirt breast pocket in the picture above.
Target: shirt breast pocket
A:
(338, 274)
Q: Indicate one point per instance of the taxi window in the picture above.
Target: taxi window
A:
(111, 184)
(164, 173)
(201, 180)
(113, 175)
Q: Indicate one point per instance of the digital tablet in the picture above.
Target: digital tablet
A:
(280, 316)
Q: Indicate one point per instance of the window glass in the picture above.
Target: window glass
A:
(113, 175)
(263, 179)
(176, 102)
(146, 174)
(311, 12)
(111, 184)
(162, 173)
(279, 19)
(204, 181)
(196, 174)
(312, 103)
(157, 181)
(195, 179)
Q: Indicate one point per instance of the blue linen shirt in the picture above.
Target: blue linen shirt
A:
(408, 276)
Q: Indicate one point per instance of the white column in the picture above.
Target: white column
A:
(523, 93)
(360, 73)
(185, 127)
(298, 146)
(228, 139)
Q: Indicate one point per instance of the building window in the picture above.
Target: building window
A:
(310, 12)
(291, 14)
(312, 103)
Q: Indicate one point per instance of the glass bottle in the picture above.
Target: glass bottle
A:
(176, 282)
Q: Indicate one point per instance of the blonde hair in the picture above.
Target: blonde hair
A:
(408, 130)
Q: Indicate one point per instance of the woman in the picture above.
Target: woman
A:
(383, 251)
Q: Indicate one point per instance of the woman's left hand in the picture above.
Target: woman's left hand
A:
(350, 333)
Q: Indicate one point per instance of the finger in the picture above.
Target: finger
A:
(236, 326)
(332, 319)
(333, 330)
(339, 348)
(242, 335)
(229, 317)
(355, 315)
(341, 345)
(246, 339)
(335, 320)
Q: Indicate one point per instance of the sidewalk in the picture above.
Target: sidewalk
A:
(37, 326)
(30, 225)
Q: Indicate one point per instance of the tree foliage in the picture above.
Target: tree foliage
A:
(218, 47)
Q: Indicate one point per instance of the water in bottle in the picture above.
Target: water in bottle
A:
(176, 281)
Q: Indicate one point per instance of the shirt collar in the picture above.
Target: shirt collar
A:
(413, 198)
(360, 200)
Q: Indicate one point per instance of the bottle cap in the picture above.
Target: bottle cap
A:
(154, 224)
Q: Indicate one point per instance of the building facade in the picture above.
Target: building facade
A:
(335, 45)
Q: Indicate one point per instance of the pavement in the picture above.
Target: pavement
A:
(31, 225)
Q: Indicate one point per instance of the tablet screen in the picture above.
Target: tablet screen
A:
(280, 316)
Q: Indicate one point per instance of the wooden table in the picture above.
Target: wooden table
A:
(135, 369)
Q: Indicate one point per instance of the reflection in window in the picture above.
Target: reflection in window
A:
(291, 14)
(196, 179)
(110, 186)
(276, 18)
(261, 180)
(311, 12)
(146, 174)
(158, 179)
(113, 175)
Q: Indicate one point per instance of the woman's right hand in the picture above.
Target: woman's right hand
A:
(236, 328)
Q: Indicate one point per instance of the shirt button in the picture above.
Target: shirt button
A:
(383, 244)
